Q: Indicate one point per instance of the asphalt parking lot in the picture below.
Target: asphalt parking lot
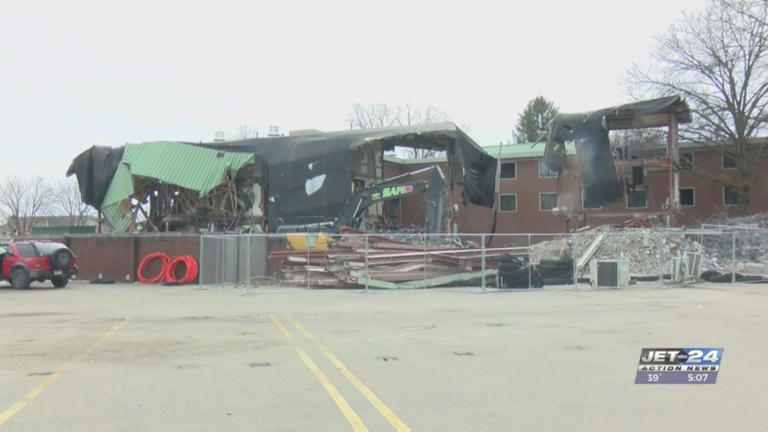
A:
(131, 357)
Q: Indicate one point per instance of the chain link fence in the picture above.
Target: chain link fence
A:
(608, 257)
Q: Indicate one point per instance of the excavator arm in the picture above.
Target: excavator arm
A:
(396, 187)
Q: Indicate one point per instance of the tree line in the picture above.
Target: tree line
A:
(24, 200)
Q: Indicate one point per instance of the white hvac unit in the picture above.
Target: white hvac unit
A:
(609, 273)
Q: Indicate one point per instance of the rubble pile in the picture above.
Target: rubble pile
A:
(648, 251)
(651, 251)
(757, 220)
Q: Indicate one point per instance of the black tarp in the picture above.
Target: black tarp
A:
(95, 168)
(292, 160)
(589, 132)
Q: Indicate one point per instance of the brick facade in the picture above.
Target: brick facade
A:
(528, 184)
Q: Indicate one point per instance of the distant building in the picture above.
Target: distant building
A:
(56, 225)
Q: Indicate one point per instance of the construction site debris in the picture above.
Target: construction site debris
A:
(652, 251)
(388, 263)
(757, 220)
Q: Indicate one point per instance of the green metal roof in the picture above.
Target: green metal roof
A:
(523, 150)
(183, 165)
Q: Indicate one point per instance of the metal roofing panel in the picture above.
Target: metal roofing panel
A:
(183, 165)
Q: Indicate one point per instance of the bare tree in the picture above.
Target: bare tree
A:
(717, 58)
(638, 142)
(376, 116)
(66, 201)
(22, 200)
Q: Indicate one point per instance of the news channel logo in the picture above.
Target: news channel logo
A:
(678, 365)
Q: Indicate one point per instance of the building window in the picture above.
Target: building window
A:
(728, 162)
(687, 197)
(584, 206)
(638, 175)
(508, 203)
(730, 196)
(686, 160)
(393, 211)
(545, 171)
(636, 199)
(508, 170)
(547, 201)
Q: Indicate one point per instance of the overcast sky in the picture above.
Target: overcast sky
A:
(75, 74)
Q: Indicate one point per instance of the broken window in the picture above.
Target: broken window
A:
(508, 203)
(728, 162)
(686, 160)
(730, 196)
(636, 199)
(547, 201)
(687, 197)
(508, 170)
(585, 206)
(545, 171)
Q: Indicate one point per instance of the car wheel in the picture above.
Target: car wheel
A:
(20, 278)
(61, 259)
(60, 281)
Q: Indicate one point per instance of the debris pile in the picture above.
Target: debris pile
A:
(757, 220)
(648, 251)
(652, 251)
(388, 263)
(516, 272)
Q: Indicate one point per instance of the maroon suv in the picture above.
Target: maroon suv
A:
(21, 263)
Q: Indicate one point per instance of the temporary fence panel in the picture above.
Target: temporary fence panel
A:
(486, 261)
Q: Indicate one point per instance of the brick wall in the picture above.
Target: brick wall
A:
(528, 185)
(117, 257)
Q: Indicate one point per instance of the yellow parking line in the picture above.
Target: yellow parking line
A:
(35, 392)
(350, 414)
(377, 403)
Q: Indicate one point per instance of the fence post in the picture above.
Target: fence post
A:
(200, 263)
(218, 255)
(249, 238)
(573, 261)
(306, 268)
(424, 269)
(365, 256)
(530, 261)
(733, 256)
(482, 260)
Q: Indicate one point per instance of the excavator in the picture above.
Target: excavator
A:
(353, 211)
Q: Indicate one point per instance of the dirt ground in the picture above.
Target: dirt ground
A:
(130, 357)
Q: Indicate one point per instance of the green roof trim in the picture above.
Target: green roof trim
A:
(191, 167)
(523, 150)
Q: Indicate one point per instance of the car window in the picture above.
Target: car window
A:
(47, 248)
(26, 249)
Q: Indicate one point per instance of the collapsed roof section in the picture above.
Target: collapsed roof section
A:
(323, 161)
(305, 177)
(589, 132)
(142, 166)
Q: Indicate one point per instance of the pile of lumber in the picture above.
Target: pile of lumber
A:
(388, 263)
